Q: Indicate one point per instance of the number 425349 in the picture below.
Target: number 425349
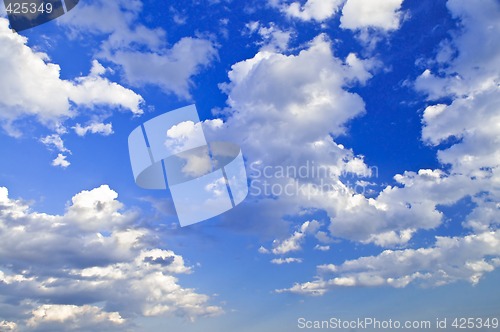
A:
(29, 8)
(475, 323)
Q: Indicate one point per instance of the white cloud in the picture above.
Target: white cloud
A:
(380, 14)
(117, 19)
(263, 250)
(95, 90)
(104, 129)
(273, 38)
(398, 211)
(323, 237)
(314, 288)
(78, 262)
(60, 161)
(183, 136)
(97, 209)
(8, 326)
(471, 120)
(36, 89)
(56, 141)
(451, 259)
(294, 242)
(170, 68)
(469, 126)
(73, 317)
(252, 27)
(321, 248)
(467, 73)
(297, 99)
(279, 102)
(288, 260)
(198, 164)
(317, 10)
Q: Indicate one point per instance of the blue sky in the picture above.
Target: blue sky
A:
(397, 99)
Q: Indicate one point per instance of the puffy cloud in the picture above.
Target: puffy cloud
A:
(398, 211)
(8, 326)
(117, 19)
(379, 14)
(279, 101)
(73, 317)
(94, 90)
(465, 132)
(76, 262)
(263, 250)
(475, 122)
(292, 243)
(358, 15)
(170, 68)
(60, 161)
(104, 129)
(323, 237)
(273, 38)
(465, 73)
(471, 121)
(285, 113)
(51, 101)
(97, 209)
(321, 248)
(317, 10)
(184, 135)
(451, 259)
(56, 141)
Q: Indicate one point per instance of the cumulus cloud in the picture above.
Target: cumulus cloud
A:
(8, 326)
(184, 135)
(170, 68)
(77, 262)
(357, 15)
(263, 250)
(471, 121)
(379, 14)
(54, 140)
(61, 161)
(117, 19)
(286, 113)
(321, 248)
(290, 244)
(466, 73)
(293, 243)
(451, 259)
(465, 133)
(73, 317)
(51, 101)
(296, 99)
(317, 10)
(273, 37)
(104, 129)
